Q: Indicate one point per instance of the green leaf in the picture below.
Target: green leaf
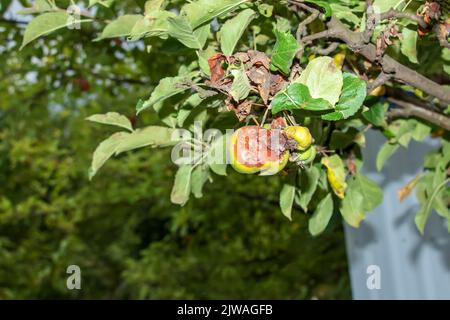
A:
(202, 11)
(121, 27)
(343, 12)
(154, 136)
(112, 118)
(217, 156)
(284, 51)
(376, 114)
(432, 188)
(39, 6)
(386, 151)
(233, 29)
(420, 131)
(154, 25)
(323, 79)
(152, 6)
(166, 88)
(297, 96)
(321, 217)
(199, 177)
(203, 56)
(105, 150)
(309, 179)
(241, 87)
(371, 192)
(105, 3)
(287, 195)
(180, 29)
(47, 23)
(182, 186)
(265, 9)
(352, 207)
(408, 45)
(324, 5)
(384, 5)
(352, 97)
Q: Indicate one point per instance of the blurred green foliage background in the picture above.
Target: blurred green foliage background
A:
(121, 229)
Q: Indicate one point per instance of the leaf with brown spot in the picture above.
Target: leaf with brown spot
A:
(215, 67)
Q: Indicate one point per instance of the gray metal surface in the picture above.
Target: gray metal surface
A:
(411, 266)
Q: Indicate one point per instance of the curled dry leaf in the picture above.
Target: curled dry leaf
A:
(405, 191)
(216, 68)
(242, 110)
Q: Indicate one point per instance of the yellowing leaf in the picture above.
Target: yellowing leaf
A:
(405, 191)
(323, 79)
(336, 174)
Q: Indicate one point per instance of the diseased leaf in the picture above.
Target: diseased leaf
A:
(386, 151)
(202, 11)
(112, 118)
(321, 217)
(47, 23)
(351, 99)
(297, 96)
(240, 88)
(121, 27)
(105, 150)
(284, 51)
(233, 29)
(335, 174)
(182, 186)
(180, 29)
(324, 80)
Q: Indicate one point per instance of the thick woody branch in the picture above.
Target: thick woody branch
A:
(400, 14)
(408, 110)
(397, 71)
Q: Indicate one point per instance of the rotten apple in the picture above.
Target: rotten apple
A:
(301, 135)
(255, 149)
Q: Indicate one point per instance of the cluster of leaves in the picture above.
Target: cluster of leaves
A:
(239, 56)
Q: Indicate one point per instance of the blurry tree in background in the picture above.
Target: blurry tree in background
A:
(129, 241)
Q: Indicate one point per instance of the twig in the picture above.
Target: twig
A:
(441, 36)
(326, 51)
(379, 81)
(408, 110)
